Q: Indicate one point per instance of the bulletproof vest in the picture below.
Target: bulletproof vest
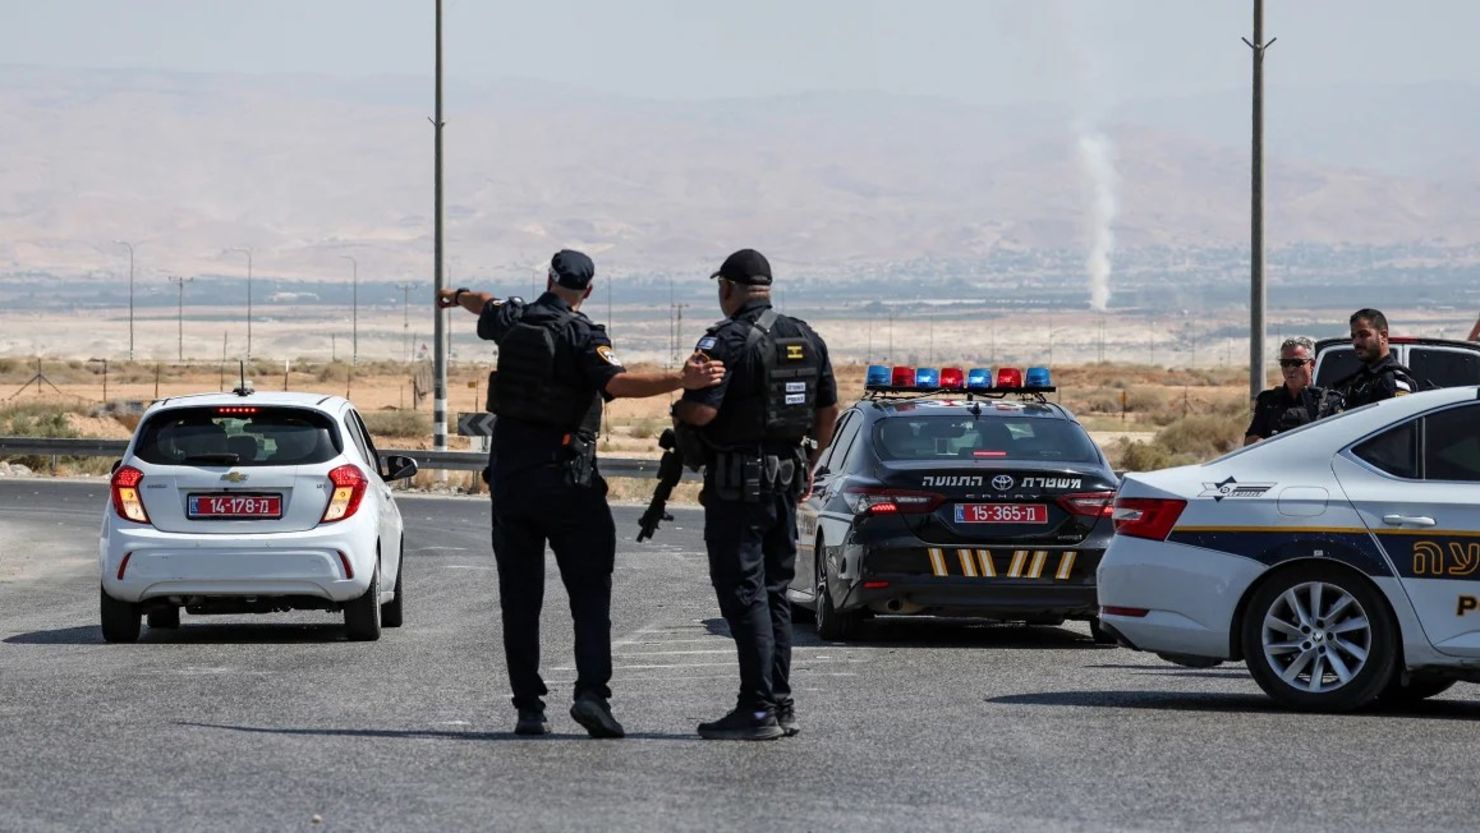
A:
(781, 405)
(527, 386)
(1363, 388)
(1294, 416)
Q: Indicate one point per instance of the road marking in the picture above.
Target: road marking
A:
(465, 567)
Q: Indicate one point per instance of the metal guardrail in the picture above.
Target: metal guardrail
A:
(451, 460)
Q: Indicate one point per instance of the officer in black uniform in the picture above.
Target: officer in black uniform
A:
(555, 368)
(778, 389)
(1295, 401)
(1380, 377)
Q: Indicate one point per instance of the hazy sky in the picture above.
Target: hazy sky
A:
(986, 51)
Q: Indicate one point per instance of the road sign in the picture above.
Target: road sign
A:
(475, 424)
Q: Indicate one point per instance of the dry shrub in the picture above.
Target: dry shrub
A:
(398, 423)
(1202, 436)
(1146, 400)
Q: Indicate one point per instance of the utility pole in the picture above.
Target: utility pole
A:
(354, 350)
(130, 297)
(1257, 295)
(439, 339)
(248, 253)
(406, 315)
(179, 283)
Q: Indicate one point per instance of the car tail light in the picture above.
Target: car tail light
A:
(880, 500)
(123, 565)
(349, 569)
(126, 502)
(878, 584)
(1133, 612)
(236, 410)
(1089, 504)
(1147, 517)
(349, 489)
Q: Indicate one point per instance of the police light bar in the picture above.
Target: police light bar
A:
(923, 381)
(902, 377)
(979, 378)
(1009, 377)
(877, 376)
(1037, 377)
(951, 378)
(927, 378)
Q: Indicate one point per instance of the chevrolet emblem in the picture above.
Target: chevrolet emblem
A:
(234, 476)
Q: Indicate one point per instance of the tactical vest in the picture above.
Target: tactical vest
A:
(1294, 416)
(784, 405)
(526, 386)
(1360, 388)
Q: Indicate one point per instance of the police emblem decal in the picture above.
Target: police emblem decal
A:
(1002, 482)
(1229, 487)
(606, 355)
(793, 352)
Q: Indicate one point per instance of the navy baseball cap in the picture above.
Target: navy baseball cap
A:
(571, 269)
(746, 266)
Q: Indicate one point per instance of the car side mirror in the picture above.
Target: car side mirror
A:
(398, 467)
(116, 464)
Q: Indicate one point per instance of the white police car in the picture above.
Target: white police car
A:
(251, 503)
(1340, 560)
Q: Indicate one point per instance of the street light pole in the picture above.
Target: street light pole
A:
(248, 253)
(406, 315)
(179, 283)
(354, 354)
(130, 297)
(440, 316)
(1257, 295)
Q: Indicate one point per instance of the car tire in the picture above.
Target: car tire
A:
(1302, 621)
(390, 612)
(120, 620)
(1419, 687)
(1098, 633)
(832, 624)
(362, 615)
(164, 618)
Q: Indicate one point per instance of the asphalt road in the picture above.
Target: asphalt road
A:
(270, 723)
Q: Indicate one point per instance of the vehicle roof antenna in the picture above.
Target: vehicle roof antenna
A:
(245, 388)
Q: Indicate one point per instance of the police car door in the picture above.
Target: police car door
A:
(812, 515)
(1417, 488)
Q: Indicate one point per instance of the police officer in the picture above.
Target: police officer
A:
(1295, 401)
(555, 368)
(778, 388)
(1380, 376)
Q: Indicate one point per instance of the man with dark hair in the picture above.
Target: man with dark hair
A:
(1295, 401)
(1380, 376)
(555, 368)
(778, 389)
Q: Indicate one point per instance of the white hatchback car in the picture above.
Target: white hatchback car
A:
(252, 503)
(1340, 560)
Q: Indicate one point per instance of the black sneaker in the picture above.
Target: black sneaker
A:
(595, 716)
(786, 717)
(742, 724)
(532, 722)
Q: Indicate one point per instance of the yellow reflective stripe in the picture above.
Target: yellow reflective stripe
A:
(988, 568)
(1039, 557)
(1018, 558)
(1066, 564)
(968, 567)
(937, 561)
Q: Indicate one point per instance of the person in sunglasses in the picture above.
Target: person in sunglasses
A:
(1295, 401)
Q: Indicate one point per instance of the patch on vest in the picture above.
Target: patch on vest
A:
(796, 399)
(606, 355)
(706, 343)
(794, 352)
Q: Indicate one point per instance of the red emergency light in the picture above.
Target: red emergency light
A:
(951, 378)
(1009, 377)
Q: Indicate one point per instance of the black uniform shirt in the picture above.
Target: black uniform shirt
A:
(1275, 410)
(744, 374)
(1375, 382)
(583, 356)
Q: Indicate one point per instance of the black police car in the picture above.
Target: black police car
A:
(986, 502)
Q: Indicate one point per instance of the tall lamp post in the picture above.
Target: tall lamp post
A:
(1257, 297)
(179, 283)
(130, 247)
(354, 348)
(248, 253)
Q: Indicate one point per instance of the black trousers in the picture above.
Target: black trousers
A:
(530, 509)
(752, 558)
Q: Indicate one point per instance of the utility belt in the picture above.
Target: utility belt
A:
(747, 475)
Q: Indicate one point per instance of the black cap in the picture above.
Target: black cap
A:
(746, 266)
(571, 269)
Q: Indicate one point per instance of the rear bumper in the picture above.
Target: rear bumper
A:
(981, 597)
(163, 564)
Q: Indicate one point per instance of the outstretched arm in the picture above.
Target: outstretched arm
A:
(473, 302)
(696, 373)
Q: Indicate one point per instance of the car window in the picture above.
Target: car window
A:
(1451, 445)
(1393, 451)
(846, 427)
(357, 434)
(946, 437)
(1444, 368)
(846, 444)
(374, 454)
(1337, 363)
(238, 435)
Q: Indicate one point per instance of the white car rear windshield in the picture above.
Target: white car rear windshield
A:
(982, 438)
(238, 435)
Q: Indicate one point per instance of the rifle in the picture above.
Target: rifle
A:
(670, 471)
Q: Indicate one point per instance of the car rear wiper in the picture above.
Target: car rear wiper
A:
(224, 458)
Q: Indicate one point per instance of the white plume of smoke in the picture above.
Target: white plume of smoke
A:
(1097, 163)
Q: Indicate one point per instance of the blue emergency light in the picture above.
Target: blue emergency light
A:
(877, 376)
(927, 378)
(979, 378)
(1038, 378)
